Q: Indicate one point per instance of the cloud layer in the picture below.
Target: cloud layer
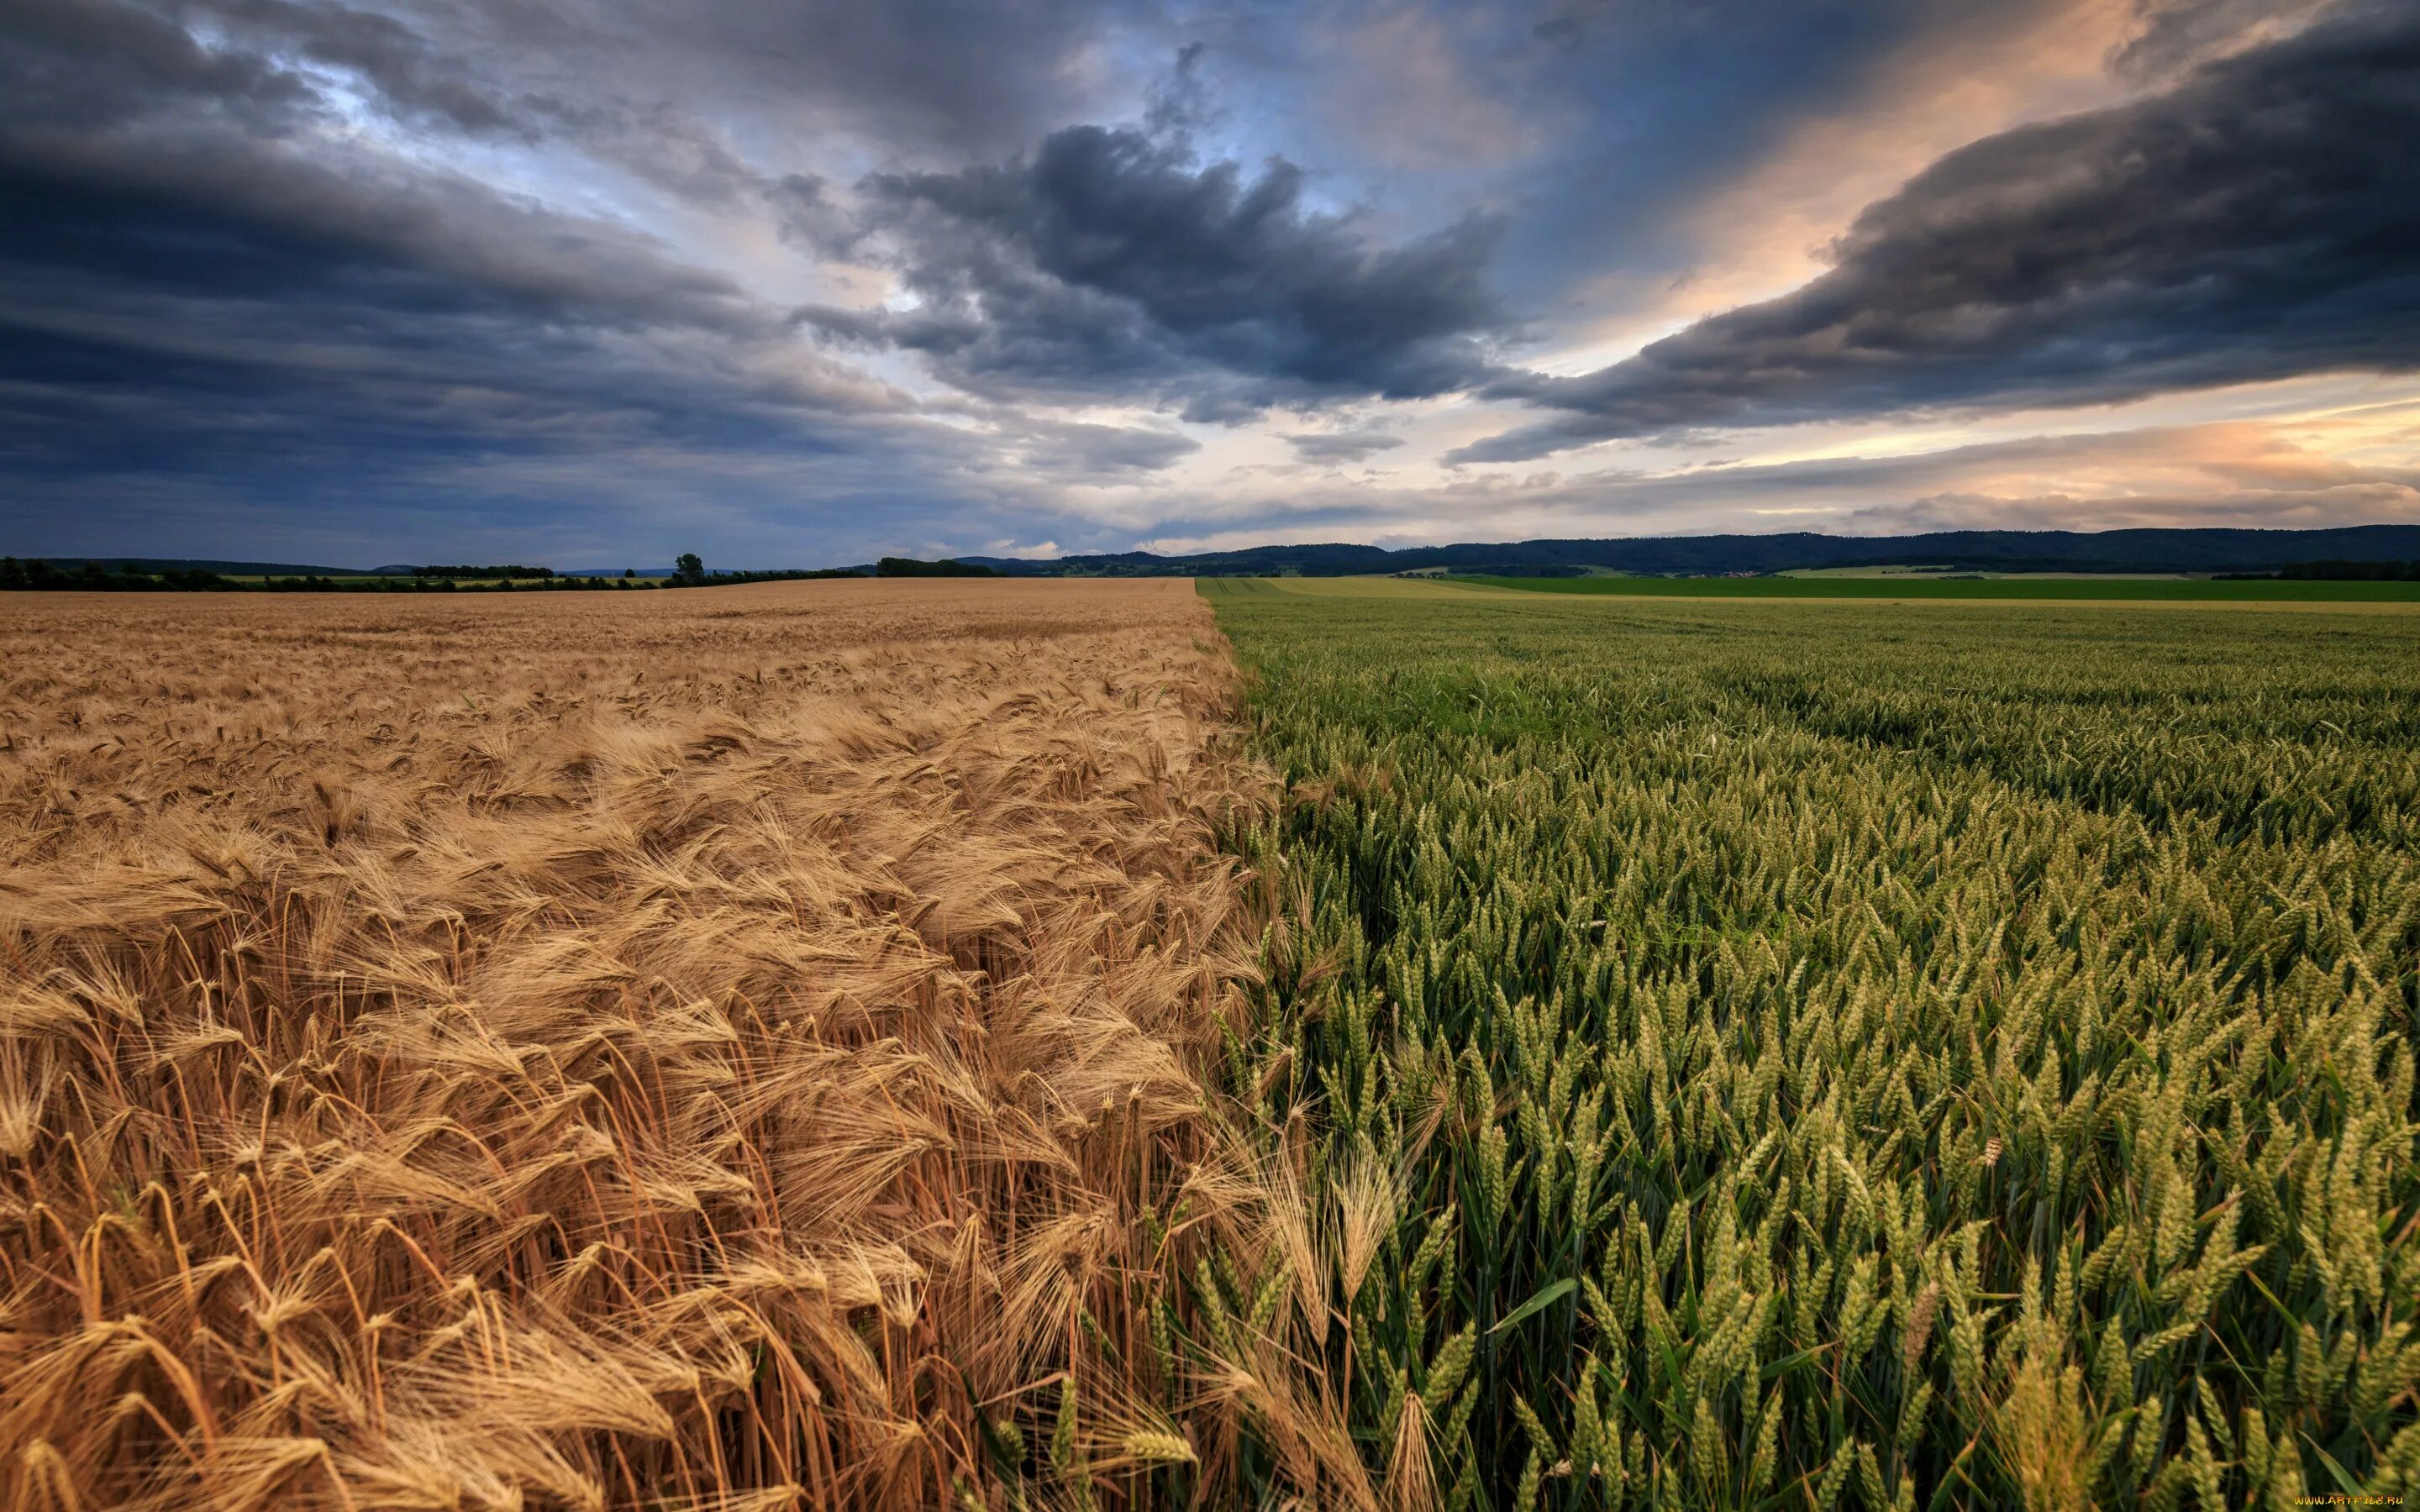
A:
(812, 282)
(2255, 222)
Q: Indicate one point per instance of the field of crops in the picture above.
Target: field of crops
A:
(1766, 1055)
(802, 1045)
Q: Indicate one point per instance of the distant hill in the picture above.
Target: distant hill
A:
(2131, 550)
(2210, 550)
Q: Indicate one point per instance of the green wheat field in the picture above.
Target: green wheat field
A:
(1763, 1055)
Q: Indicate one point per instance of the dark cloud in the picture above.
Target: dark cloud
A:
(205, 300)
(715, 105)
(807, 216)
(1109, 262)
(300, 283)
(219, 218)
(2255, 222)
(1334, 446)
(953, 77)
(2177, 34)
(411, 75)
(70, 67)
(139, 165)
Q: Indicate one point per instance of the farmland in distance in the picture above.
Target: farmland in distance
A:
(1770, 1055)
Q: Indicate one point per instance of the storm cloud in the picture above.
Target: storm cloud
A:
(2255, 222)
(208, 300)
(1111, 262)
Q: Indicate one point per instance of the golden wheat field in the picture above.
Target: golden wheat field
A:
(661, 1049)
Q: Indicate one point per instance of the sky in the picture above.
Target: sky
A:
(798, 283)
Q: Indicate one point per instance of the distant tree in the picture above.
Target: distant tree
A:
(689, 570)
(629, 571)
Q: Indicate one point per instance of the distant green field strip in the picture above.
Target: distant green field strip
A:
(2137, 589)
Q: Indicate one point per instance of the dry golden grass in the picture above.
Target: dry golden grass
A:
(725, 1049)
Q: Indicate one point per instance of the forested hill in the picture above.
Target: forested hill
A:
(2134, 550)
(2140, 550)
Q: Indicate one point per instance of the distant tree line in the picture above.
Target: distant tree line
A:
(92, 577)
(2367, 572)
(16, 575)
(688, 571)
(910, 567)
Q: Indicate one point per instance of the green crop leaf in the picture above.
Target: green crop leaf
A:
(1546, 1297)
